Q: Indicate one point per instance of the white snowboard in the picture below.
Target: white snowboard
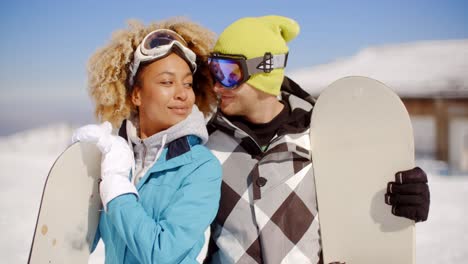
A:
(70, 207)
(361, 135)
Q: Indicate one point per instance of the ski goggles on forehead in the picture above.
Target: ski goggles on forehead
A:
(233, 70)
(158, 44)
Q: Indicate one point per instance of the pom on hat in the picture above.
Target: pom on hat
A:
(253, 37)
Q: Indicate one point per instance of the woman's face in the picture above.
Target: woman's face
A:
(163, 94)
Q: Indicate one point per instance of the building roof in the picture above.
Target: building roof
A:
(420, 69)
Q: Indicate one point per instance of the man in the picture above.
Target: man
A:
(260, 133)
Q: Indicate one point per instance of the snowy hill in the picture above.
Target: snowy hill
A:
(49, 140)
(415, 69)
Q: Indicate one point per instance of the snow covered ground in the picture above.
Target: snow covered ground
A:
(444, 237)
(26, 157)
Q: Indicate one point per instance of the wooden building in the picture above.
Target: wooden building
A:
(444, 110)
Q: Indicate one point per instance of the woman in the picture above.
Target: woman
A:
(160, 187)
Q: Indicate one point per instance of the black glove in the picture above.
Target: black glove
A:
(409, 195)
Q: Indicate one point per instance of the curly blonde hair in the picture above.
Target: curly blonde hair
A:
(108, 68)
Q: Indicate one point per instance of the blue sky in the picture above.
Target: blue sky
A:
(45, 44)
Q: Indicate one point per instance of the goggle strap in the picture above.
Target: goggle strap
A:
(267, 63)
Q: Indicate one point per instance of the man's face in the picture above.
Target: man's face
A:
(240, 101)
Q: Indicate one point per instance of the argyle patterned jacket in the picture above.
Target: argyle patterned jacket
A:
(268, 210)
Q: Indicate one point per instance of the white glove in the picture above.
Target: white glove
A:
(116, 163)
(99, 134)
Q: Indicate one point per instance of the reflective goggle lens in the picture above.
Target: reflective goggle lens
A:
(225, 71)
(161, 37)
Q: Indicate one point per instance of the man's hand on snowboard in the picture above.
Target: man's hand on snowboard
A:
(409, 195)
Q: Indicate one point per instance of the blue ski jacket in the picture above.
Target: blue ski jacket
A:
(178, 199)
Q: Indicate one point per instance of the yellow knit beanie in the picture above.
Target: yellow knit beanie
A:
(253, 37)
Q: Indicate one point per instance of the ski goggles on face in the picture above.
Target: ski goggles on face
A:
(233, 70)
(158, 44)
